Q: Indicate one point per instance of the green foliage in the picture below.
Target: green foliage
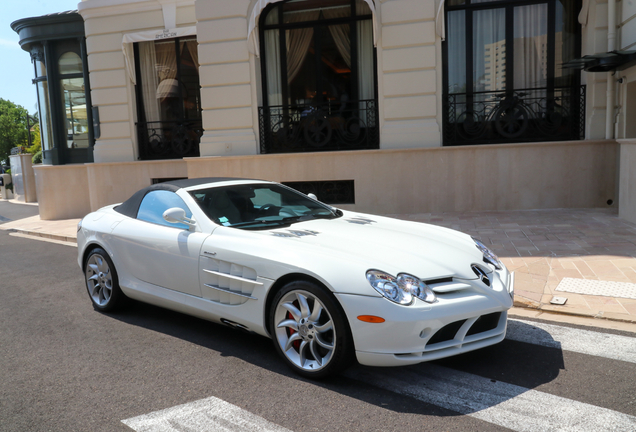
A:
(13, 127)
(37, 157)
(36, 143)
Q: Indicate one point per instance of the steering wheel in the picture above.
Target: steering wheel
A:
(268, 210)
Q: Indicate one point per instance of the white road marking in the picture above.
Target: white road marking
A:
(569, 339)
(499, 403)
(210, 414)
(503, 404)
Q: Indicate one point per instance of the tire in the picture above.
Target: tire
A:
(310, 330)
(102, 283)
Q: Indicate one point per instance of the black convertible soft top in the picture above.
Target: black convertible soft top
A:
(130, 207)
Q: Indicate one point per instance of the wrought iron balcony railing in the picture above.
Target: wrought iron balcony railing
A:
(169, 139)
(522, 116)
(327, 126)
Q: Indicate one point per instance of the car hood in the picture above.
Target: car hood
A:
(375, 242)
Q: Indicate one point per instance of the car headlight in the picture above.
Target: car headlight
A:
(489, 256)
(401, 289)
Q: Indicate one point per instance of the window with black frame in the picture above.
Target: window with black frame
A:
(168, 98)
(319, 76)
(503, 74)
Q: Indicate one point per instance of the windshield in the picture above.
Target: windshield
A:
(259, 206)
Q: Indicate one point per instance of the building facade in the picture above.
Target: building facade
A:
(394, 106)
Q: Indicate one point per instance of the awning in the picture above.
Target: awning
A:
(603, 62)
(252, 32)
(151, 35)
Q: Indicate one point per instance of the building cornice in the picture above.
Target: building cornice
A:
(100, 8)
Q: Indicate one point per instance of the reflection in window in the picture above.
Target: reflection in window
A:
(46, 133)
(74, 98)
(70, 63)
(503, 74)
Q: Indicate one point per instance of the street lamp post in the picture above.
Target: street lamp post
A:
(33, 119)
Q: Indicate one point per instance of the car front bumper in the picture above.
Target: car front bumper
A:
(455, 324)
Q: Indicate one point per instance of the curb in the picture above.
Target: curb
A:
(524, 303)
(43, 235)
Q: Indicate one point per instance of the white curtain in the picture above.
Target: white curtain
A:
(341, 32)
(252, 26)
(272, 65)
(489, 46)
(298, 41)
(456, 52)
(194, 53)
(530, 46)
(366, 83)
(150, 81)
(147, 36)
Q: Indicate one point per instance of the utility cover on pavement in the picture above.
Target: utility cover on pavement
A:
(558, 300)
(597, 287)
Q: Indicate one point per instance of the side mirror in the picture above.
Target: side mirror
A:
(177, 215)
(312, 196)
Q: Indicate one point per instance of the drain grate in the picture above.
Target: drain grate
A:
(599, 288)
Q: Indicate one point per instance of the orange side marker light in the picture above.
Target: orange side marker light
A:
(371, 319)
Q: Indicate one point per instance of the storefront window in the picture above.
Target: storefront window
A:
(74, 100)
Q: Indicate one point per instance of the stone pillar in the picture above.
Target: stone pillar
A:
(229, 119)
(407, 74)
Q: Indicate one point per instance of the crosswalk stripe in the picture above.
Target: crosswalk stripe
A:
(508, 405)
(500, 403)
(210, 414)
(575, 340)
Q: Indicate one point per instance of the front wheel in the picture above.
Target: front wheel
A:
(310, 330)
(102, 282)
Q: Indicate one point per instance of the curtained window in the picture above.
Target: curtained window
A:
(168, 98)
(317, 51)
(168, 80)
(503, 66)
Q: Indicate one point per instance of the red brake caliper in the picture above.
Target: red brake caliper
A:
(290, 331)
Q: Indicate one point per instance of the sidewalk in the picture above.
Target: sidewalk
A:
(586, 256)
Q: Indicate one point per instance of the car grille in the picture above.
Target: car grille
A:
(450, 331)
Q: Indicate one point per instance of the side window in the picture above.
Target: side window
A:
(156, 202)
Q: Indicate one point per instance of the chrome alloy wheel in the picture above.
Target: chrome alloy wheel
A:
(304, 330)
(99, 279)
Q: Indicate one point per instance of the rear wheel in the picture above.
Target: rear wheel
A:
(310, 330)
(101, 281)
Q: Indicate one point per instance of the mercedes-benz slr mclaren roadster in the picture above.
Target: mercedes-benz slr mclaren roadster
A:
(328, 286)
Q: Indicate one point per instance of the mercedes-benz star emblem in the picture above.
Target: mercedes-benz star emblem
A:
(481, 274)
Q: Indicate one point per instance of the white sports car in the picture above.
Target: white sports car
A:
(328, 286)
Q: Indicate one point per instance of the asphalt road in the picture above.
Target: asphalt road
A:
(66, 367)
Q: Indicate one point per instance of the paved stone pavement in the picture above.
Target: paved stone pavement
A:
(542, 247)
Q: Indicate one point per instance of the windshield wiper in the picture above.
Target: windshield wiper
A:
(258, 222)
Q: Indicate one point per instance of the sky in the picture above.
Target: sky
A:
(16, 70)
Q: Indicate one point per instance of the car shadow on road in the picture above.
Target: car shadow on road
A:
(466, 383)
